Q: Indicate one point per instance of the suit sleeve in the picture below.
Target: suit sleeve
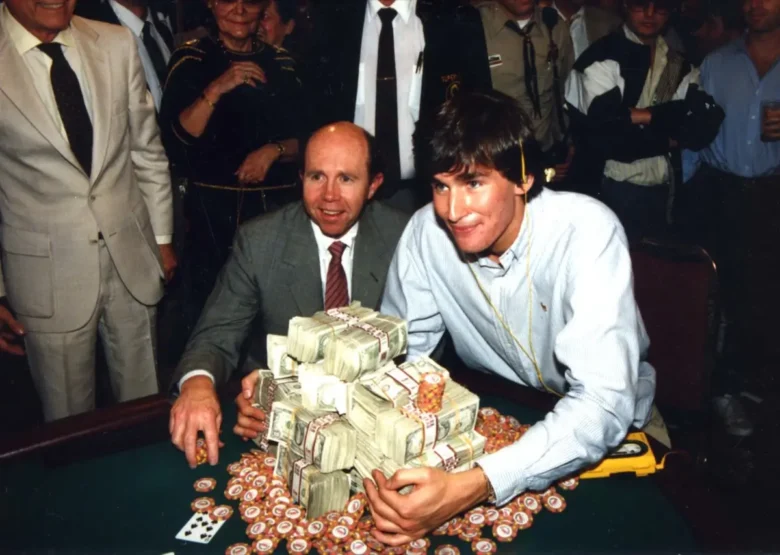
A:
(596, 93)
(215, 345)
(146, 149)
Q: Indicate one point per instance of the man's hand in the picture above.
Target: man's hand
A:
(251, 421)
(562, 170)
(770, 130)
(256, 165)
(10, 333)
(169, 261)
(196, 410)
(435, 498)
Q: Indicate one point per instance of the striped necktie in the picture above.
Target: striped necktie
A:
(336, 289)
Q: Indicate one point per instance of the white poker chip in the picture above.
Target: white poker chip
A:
(521, 519)
(484, 546)
(347, 521)
(264, 545)
(358, 547)
(234, 491)
(299, 546)
(238, 549)
(270, 462)
(503, 531)
(256, 530)
(316, 527)
(284, 527)
(250, 495)
(293, 513)
(354, 506)
(531, 503)
(421, 543)
(252, 512)
(340, 532)
(260, 481)
(477, 519)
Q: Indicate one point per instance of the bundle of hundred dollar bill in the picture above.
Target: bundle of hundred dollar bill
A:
(340, 407)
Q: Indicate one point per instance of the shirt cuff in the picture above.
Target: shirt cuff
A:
(503, 476)
(192, 374)
(163, 239)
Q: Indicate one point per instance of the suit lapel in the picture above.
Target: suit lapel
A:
(98, 74)
(21, 91)
(370, 262)
(301, 257)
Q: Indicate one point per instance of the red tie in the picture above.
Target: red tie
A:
(336, 290)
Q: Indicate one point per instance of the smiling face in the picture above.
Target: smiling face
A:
(336, 178)
(237, 19)
(272, 29)
(762, 16)
(482, 209)
(43, 18)
(646, 19)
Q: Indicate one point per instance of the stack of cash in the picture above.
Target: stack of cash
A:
(339, 407)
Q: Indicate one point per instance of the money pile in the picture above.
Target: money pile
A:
(339, 407)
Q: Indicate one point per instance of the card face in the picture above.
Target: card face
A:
(199, 529)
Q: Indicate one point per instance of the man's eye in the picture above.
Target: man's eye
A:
(439, 187)
(474, 184)
(345, 178)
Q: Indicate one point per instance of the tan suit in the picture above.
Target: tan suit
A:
(58, 277)
(507, 67)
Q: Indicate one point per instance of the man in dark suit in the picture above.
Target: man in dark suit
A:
(332, 248)
(151, 28)
(388, 64)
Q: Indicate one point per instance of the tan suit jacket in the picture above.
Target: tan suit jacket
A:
(51, 212)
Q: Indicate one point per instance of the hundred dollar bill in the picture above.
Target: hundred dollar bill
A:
(306, 336)
(318, 492)
(279, 362)
(326, 440)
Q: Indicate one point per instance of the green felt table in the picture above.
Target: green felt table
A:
(136, 500)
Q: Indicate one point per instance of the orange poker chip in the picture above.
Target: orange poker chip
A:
(250, 496)
(234, 492)
(441, 530)
(531, 503)
(469, 533)
(252, 514)
(484, 546)
(447, 550)
(555, 503)
(298, 545)
(256, 530)
(284, 528)
(569, 484)
(504, 531)
(421, 544)
(316, 528)
(476, 519)
(347, 521)
(339, 533)
(265, 545)
(202, 504)
(204, 485)
(293, 514)
(234, 469)
(522, 520)
(430, 394)
(238, 549)
(221, 512)
(278, 510)
(491, 515)
(357, 547)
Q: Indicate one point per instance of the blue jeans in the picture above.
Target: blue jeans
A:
(640, 208)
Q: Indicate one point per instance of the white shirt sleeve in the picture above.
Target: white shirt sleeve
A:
(192, 374)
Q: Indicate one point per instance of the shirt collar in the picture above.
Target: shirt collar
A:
(24, 40)
(403, 7)
(324, 242)
(660, 43)
(579, 13)
(128, 18)
(519, 248)
(497, 17)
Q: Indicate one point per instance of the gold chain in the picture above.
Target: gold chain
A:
(532, 355)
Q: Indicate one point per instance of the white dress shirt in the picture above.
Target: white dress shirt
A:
(323, 244)
(577, 29)
(136, 25)
(409, 43)
(586, 331)
(39, 65)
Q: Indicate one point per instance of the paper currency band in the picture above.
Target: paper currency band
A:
(382, 337)
(312, 431)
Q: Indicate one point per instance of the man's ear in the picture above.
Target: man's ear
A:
(289, 27)
(524, 188)
(375, 184)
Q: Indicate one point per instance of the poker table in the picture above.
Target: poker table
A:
(122, 487)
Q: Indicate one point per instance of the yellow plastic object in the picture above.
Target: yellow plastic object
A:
(633, 456)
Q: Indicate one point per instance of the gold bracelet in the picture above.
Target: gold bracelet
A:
(208, 101)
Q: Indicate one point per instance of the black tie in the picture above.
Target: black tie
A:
(162, 29)
(387, 98)
(529, 59)
(70, 103)
(155, 54)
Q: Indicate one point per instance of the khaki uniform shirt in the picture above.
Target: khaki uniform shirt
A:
(507, 68)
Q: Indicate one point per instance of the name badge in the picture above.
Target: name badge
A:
(494, 60)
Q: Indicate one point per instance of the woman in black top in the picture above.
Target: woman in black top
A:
(230, 119)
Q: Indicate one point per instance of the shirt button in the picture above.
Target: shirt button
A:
(750, 142)
(752, 117)
(92, 197)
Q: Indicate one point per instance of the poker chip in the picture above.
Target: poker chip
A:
(265, 545)
(315, 528)
(505, 512)
(522, 520)
(256, 530)
(476, 519)
(234, 492)
(269, 462)
(347, 521)
(447, 549)
(441, 530)
(234, 469)
(202, 504)
(420, 544)
(555, 503)
(569, 484)
(260, 482)
(484, 546)
(339, 533)
(355, 506)
(278, 510)
(276, 491)
(491, 515)
(531, 503)
(357, 547)
(250, 495)
(283, 499)
(221, 512)
(283, 528)
(374, 543)
(293, 514)
(469, 533)
(504, 531)
(430, 394)
(204, 485)
(251, 514)
(298, 545)
(454, 527)
(332, 516)
(238, 549)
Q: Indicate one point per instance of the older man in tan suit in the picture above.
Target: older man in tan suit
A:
(85, 204)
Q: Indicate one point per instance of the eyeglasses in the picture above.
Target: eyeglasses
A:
(248, 4)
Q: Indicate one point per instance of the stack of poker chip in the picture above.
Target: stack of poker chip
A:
(327, 434)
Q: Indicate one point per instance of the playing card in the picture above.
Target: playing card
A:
(199, 529)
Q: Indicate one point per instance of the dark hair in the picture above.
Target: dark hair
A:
(288, 9)
(481, 128)
(375, 165)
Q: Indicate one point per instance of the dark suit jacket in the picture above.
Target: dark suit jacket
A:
(273, 275)
(101, 10)
(449, 62)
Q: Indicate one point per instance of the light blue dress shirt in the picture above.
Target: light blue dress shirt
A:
(728, 74)
(588, 335)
